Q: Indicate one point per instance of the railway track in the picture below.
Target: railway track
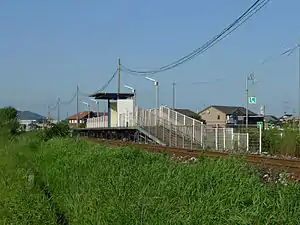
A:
(290, 165)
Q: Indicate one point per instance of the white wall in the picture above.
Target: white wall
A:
(125, 111)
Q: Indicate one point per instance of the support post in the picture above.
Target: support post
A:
(247, 142)
(238, 141)
(108, 114)
(260, 138)
(216, 137)
(77, 106)
(224, 138)
(193, 132)
(247, 97)
(58, 109)
(176, 128)
(173, 85)
(119, 75)
(201, 137)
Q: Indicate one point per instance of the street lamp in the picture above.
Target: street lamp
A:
(155, 82)
(98, 106)
(133, 91)
(89, 108)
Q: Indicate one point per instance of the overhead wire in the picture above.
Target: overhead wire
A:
(70, 101)
(251, 11)
(108, 82)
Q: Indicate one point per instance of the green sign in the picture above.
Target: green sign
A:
(252, 100)
(259, 124)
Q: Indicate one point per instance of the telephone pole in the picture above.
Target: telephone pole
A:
(77, 106)
(119, 75)
(173, 84)
(49, 113)
(299, 85)
(249, 77)
(58, 103)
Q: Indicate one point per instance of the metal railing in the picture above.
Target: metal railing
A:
(171, 126)
(177, 130)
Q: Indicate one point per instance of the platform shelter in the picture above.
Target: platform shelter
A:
(120, 109)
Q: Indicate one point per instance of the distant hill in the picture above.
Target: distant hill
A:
(27, 115)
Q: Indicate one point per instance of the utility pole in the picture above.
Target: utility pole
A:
(58, 103)
(157, 94)
(249, 77)
(77, 106)
(174, 84)
(119, 75)
(299, 86)
(48, 112)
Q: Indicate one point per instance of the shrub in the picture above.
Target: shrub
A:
(60, 129)
(8, 122)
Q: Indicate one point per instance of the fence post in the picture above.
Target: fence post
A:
(170, 135)
(224, 138)
(201, 137)
(238, 141)
(216, 137)
(136, 115)
(176, 128)
(260, 138)
(193, 130)
(247, 143)
(163, 130)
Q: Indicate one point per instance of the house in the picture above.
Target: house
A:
(82, 117)
(189, 113)
(224, 116)
(30, 120)
(271, 119)
(288, 118)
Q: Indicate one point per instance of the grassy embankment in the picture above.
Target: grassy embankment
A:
(94, 184)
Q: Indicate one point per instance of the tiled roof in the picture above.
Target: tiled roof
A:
(232, 110)
(81, 115)
(186, 112)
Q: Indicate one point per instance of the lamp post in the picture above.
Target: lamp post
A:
(98, 106)
(89, 108)
(155, 82)
(133, 91)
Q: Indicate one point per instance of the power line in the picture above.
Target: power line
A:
(257, 6)
(70, 101)
(108, 82)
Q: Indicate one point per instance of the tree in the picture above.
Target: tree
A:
(8, 121)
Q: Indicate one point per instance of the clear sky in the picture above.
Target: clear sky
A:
(48, 47)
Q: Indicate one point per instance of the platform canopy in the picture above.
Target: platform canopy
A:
(112, 96)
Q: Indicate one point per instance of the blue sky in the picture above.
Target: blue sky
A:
(48, 47)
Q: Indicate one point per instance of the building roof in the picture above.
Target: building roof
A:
(112, 96)
(187, 112)
(81, 115)
(230, 110)
(84, 114)
(271, 118)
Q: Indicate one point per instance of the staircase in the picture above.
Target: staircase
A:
(170, 128)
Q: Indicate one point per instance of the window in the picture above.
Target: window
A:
(218, 117)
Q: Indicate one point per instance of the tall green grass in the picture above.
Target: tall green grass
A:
(93, 184)
(21, 202)
(285, 142)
